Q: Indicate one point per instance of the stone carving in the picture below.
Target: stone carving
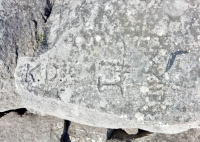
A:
(122, 61)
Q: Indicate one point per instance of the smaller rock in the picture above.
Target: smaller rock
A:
(83, 133)
(131, 131)
(30, 128)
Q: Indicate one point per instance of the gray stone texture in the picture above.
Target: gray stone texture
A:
(21, 25)
(118, 64)
(30, 128)
(106, 63)
(84, 133)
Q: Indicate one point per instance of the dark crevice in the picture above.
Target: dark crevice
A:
(119, 134)
(170, 62)
(44, 45)
(47, 10)
(41, 38)
(17, 54)
(46, 30)
(65, 135)
(109, 133)
(36, 31)
(14, 39)
(172, 59)
(43, 17)
(19, 111)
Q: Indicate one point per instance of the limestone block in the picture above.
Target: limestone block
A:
(84, 133)
(118, 64)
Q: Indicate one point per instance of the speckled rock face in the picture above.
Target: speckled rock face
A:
(30, 128)
(21, 23)
(127, 64)
(83, 133)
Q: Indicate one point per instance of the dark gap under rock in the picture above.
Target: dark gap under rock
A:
(43, 46)
(19, 111)
(65, 135)
(119, 134)
(47, 10)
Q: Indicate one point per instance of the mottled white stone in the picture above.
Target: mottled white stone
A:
(144, 89)
(98, 55)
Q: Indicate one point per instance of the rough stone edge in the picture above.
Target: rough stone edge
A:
(91, 117)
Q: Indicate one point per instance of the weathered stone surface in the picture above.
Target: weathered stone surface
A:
(83, 133)
(21, 30)
(30, 128)
(118, 64)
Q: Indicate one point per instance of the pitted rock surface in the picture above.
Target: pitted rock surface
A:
(21, 24)
(118, 64)
(30, 128)
(78, 132)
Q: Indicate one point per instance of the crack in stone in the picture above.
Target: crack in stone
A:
(119, 134)
(19, 111)
(46, 31)
(16, 53)
(172, 59)
(36, 32)
(170, 62)
(47, 10)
